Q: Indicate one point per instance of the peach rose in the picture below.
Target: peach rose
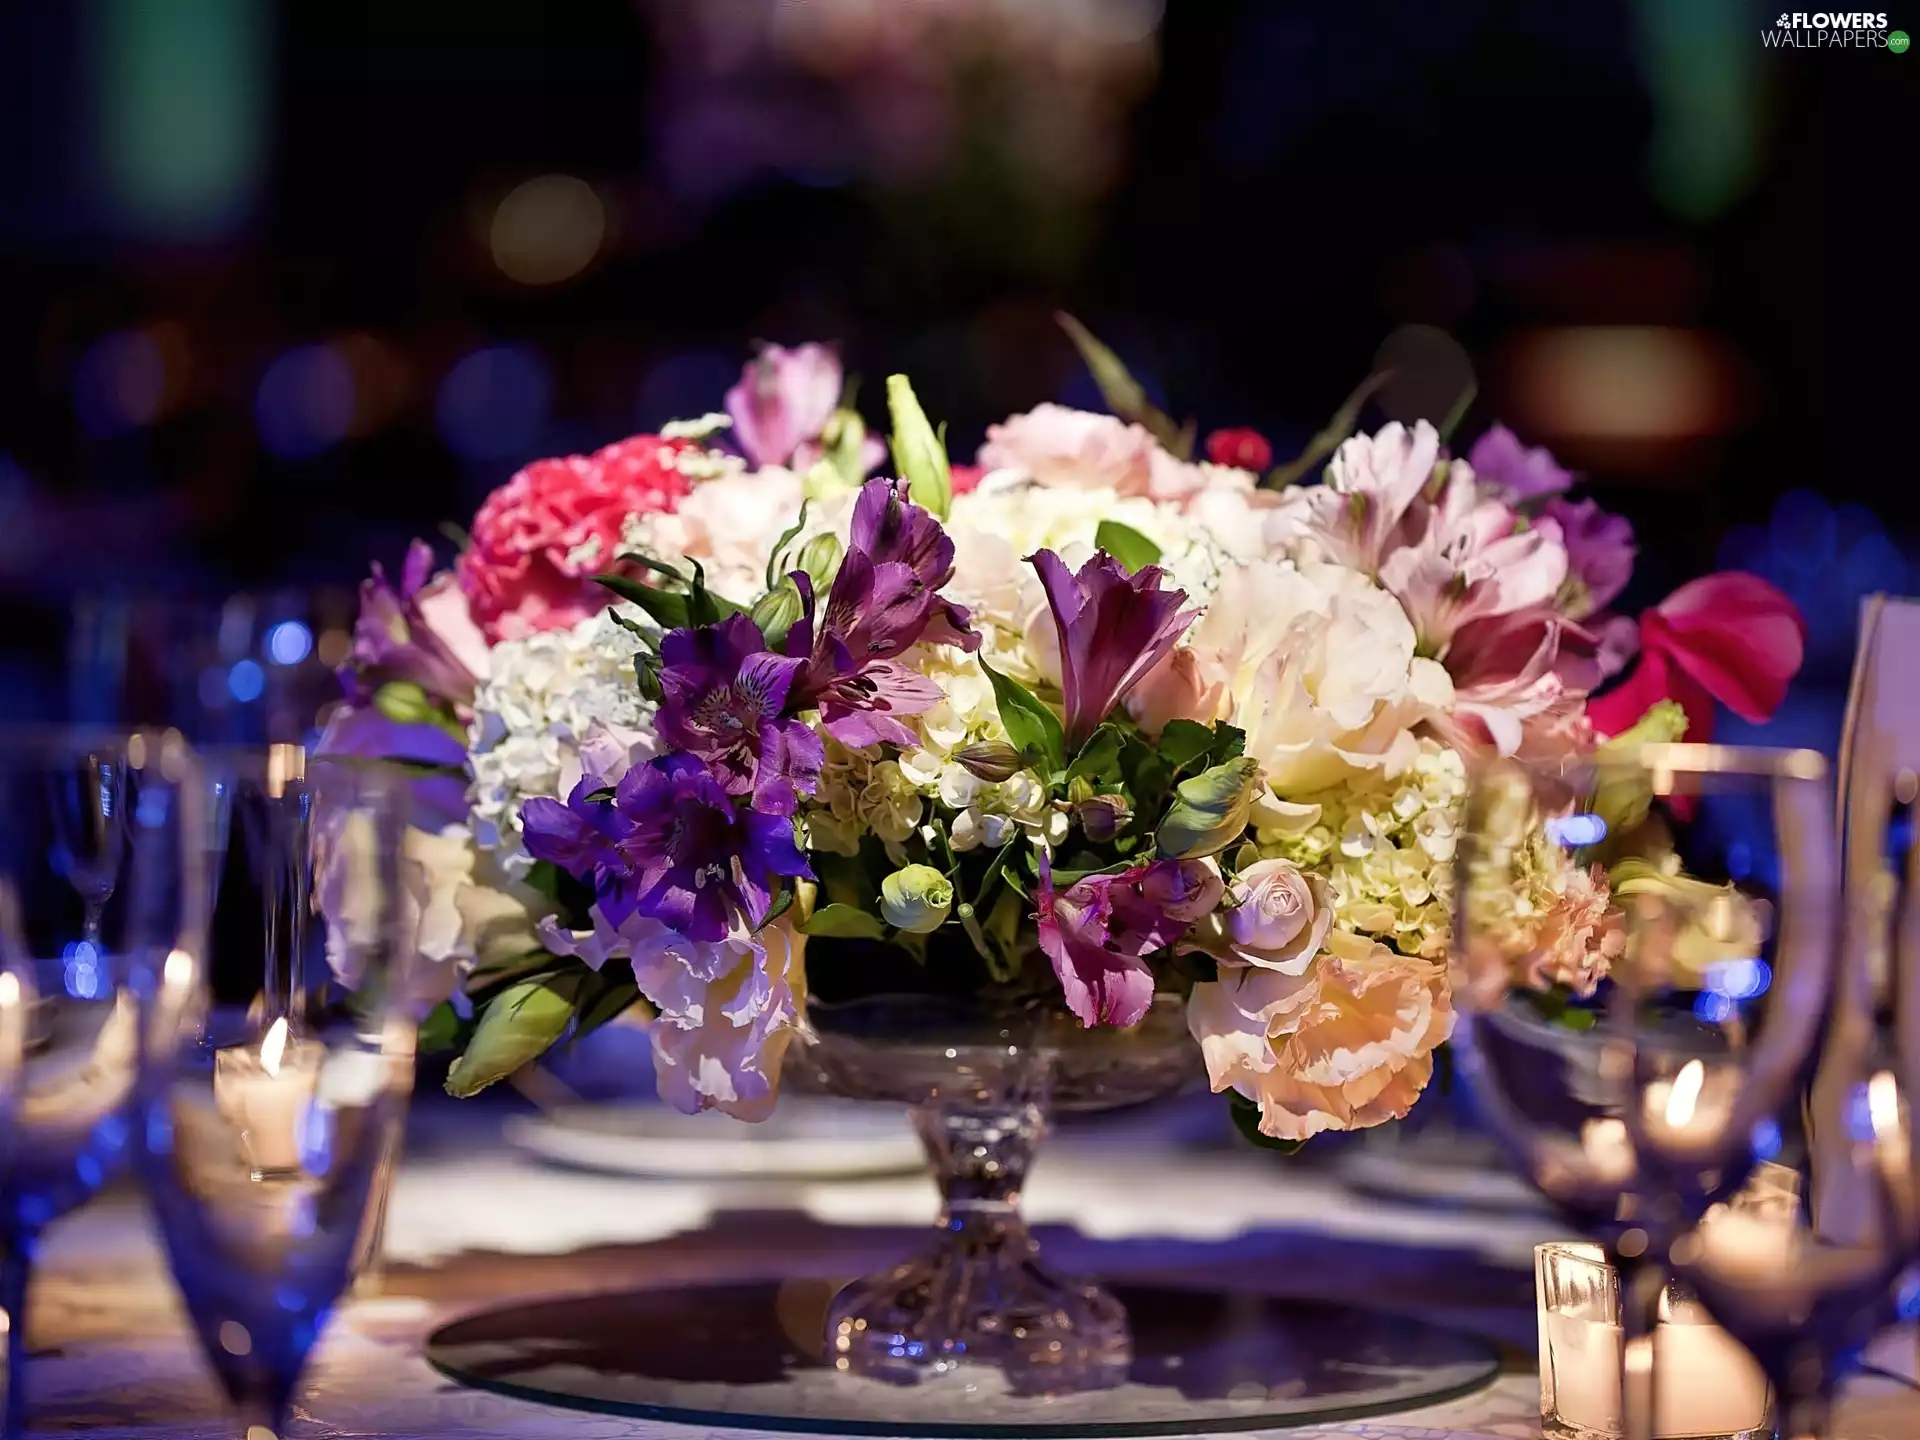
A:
(1345, 1046)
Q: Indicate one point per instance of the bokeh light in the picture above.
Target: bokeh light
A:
(246, 681)
(682, 386)
(493, 403)
(289, 642)
(119, 383)
(547, 229)
(1622, 382)
(305, 402)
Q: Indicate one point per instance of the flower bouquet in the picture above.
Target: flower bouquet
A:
(716, 719)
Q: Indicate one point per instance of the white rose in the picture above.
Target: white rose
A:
(1316, 663)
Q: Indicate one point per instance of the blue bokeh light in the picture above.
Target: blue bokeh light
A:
(305, 402)
(289, 642)
(246, 681)
(493, 403)
(1574, 831)
(1740, 979)
(119, 383)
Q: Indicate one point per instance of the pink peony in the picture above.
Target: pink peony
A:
(539, 540)
(1076, 449)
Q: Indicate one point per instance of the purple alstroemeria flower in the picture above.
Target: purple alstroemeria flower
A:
(1100, 930)
(783, 400)
(420, 632)
(1113, 628)
(885, 599)
(1600, 553)
(890, 529)
(1513, 471)
(723, 694)
(672, 846)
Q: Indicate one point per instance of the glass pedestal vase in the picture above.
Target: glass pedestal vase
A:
(982, 1087)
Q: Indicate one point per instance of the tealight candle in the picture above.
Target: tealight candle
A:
(266, 1096)
(1709, 1386)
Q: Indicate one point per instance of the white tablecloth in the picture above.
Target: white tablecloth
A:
(473, 1223)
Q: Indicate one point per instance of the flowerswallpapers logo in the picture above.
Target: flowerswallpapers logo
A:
(1833, 30)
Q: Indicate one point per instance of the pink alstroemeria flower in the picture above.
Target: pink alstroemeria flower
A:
(1114, 627)
(1730, 637)
(1468, 557)
(783, 400)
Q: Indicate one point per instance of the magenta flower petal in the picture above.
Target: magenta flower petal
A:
(1098, 933)
(1113, 627)
(1516, 472)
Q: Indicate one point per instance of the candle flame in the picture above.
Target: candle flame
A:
(274, 1047)
(9, 990)
(1883, 1104)
(178, 970)
(1684, 1098)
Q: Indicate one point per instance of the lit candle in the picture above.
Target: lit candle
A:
(1708, 1385)
(266, 1096)
(1687, 1108)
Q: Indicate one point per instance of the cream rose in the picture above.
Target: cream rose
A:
(1316, 663)
(1344, 1046)
(1276, 918)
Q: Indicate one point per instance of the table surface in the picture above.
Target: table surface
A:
(473, 1223)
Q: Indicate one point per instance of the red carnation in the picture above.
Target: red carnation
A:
(1243, 449)
(539, 540)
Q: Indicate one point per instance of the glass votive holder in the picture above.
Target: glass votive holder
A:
(1709, 1387)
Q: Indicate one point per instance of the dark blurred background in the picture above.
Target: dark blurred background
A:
(289, 284)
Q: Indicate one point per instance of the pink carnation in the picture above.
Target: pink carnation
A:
(1057, 446)
(539, 540)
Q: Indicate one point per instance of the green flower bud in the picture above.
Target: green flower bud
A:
(843, 441)
(820, 558)
(916, 899)
(1210, 811)
(1624, 792)
(919, 451)
(777, 610)
(989, 760)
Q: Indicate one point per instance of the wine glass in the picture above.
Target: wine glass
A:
(77, 979)
(1643, 954)
(267, 1130)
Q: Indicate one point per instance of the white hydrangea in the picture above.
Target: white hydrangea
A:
(1386, 847)
(547, 696)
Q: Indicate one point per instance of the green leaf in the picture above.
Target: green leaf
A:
(920, 454)
(634, 628)
(442, 1030)
(844, 922)
(1123, 393)
(657, 567)
(1246, 1119)
(664, 606)
(774, 567)
(1229, 743)
(611, 996)
(1328, 439)
(520, 1024)
(1126, 544)
(1099, 758)
(1184, 741)
(1029, 724)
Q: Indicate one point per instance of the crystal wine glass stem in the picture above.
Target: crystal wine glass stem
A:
(980, 1159)
(1641, 1284)
(16, 1269)
(262, 1419)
